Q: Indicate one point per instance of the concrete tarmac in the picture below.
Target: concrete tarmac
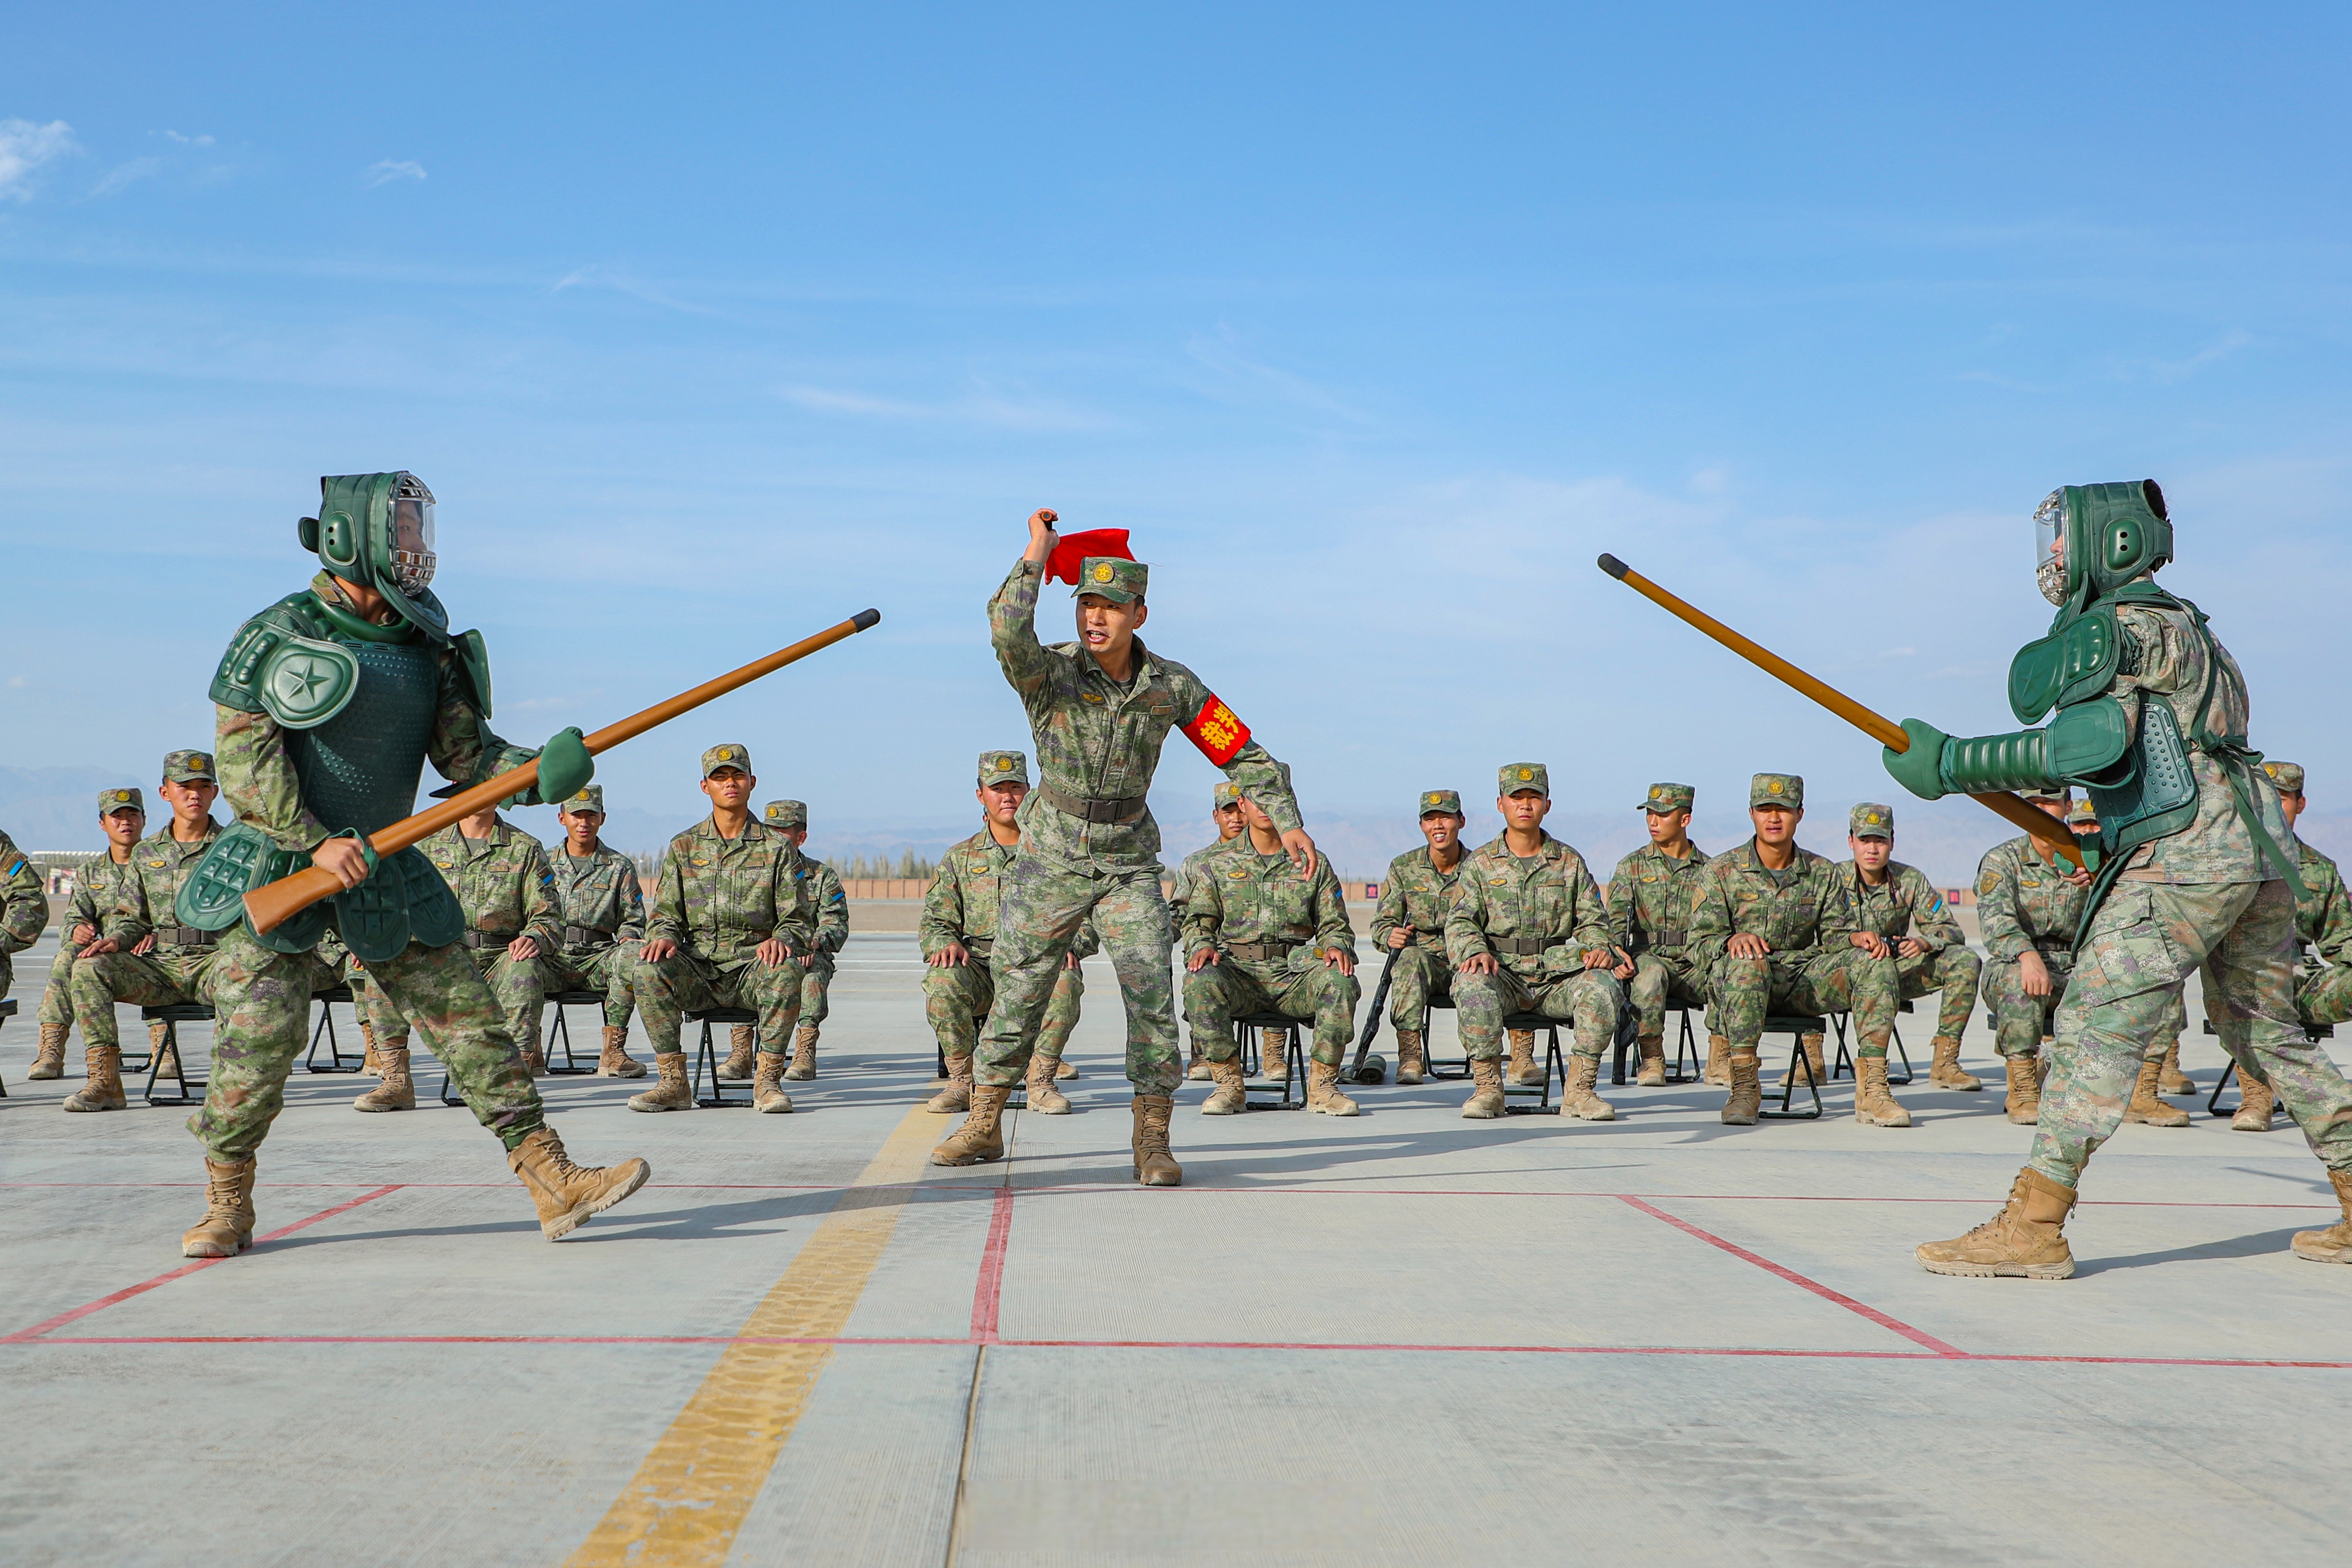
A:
(1402, 1338)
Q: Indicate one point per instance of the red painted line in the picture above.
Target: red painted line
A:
(986, 1293)
(103, 1302)
(1894, 1325)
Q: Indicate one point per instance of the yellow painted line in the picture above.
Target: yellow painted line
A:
(690, 1496)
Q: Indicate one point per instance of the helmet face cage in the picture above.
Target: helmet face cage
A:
(2049, 547)
(412, 559)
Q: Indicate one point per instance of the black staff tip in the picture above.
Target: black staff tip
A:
(865, 618)
(1614, 567)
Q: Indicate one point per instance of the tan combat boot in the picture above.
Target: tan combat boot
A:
(1523, 1070)
(2255, 1103)
(397, 1091)
(1229, 1098)
(1718, 1060)
(1816, 1059)
(2024, 1089)
(1409, 1057)
(2024, 1241)
(50, 1058)
(1154, 1165)
(1044, 1098)
(371, 1058)
(1273, 1056)
(533, 1062)
(2147, 1108)
(743, 1045)
(673, 1092)
(981, 1137)
(615, 1061)
(803, 1065)
(1485, 1099)
(227, 1228)
(1873, 1105)
(767, 1074)
(566, 1193)
(2333, 1245)
(1747, 1097)
(2169, 1078)
(1578, 1099)
(1065, 1068)
(1197, 1068)
(956, 1098)
(1323, 1090)
(103, 1087)
(1654, 1061)
(1946, 1072)
(162, 1056)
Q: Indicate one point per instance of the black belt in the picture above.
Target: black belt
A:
(587, 936)
(979, 946)
(1125, 809)
(187, 936)
(1655, 939)
(1262, 952)
(481, 939)
(1523, 946)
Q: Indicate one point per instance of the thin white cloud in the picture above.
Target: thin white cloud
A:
(1239, 373)
(596, 275)
(25, 147)
(190, 140)
(123, 174)
(985, 406)
(386, 170)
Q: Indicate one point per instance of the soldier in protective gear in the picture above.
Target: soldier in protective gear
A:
(2151, 718)
(1897, 912)
(122, 817)
(329, 703)
(1410, 921)
(1652, 894)
(603, 909)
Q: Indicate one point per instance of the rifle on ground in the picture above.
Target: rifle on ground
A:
(1368, 1068)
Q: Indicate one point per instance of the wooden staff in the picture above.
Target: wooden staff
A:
(270, 906)
(1877, 726)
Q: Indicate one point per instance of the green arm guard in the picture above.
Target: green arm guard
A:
(1978, 764)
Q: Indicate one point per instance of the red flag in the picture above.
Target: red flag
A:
(1074, 548)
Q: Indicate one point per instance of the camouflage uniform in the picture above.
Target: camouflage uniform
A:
(2323, 922)
(2025, 901)
(1539, 916)
(1416, 894)
(177, 971)
(1225, 794)
(1095, 849)
(508, 890)
(1907, 904)
(961, 907)
(1652, 898)
(602, 904)
(98, 885)
(1271, 929)
(24, 908)
(719, 899)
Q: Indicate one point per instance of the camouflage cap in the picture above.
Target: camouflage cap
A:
(1666, 797)
(1119, 581)
(1227, 793)
(189, 767)
(1776, 789)
(110, 801)
(1004, 767)
(1436, 800)
(1871, 820)
(2288, 776)
(786, 814)
(2046, 792)
(2085, 814)
(1512, 777)
(590, 798)
(726, 756)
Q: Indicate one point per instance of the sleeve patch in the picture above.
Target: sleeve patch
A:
(1217, 731)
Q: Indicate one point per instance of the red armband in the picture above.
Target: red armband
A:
(1218, 731)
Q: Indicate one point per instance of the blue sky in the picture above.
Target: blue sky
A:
(710, 326)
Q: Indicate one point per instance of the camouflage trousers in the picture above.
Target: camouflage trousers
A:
(261, 1004)
(1216, 993)
(1952, 972)
(2323, 997)
(1590, 998)
(1038, 917)
(611, 969)
(2019, 1021)
(816, 990)
(1749, 990)
(1660, 978)
(179, 976)
(1420, 975)
(519, 983)
(957, 998)
(2125, 990)
(669, 988)
(57, 1001)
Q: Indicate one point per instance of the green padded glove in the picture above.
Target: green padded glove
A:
(565, 767)
(1920, 770)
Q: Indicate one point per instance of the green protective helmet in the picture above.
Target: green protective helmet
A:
(2091, 539)
(376, 530)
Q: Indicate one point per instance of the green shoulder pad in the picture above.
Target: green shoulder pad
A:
(2071, 664)
(474, 658)
(278, 665)
(237, 683)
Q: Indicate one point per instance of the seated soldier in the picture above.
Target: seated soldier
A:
(2164, 1043)
(24, 908)
(1225, 812)
(959, 936)
(1261, 937)
(143, 954)
(1410, 921)
(1527, 933)
(788, 819)
(1650, 896)
(98, 885)
(602, 906)
(2029, 908)
(2322, 930)
(514, 928)
(727, 928)
(1896, 910)
(1772, 921)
